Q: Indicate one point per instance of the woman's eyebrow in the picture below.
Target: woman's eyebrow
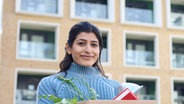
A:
(96, 41)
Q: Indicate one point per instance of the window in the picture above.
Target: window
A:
(37, 42)
(177, 90)
(177, 52)
(41, 7)
(141, 11)
(105, 55)
(93, 9)
(175, 13)
(150, 89)
(147, 92)
(136, 9)
(140, 50)
(26, 88)
(26, 85)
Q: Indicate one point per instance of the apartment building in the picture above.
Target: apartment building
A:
(143, 44)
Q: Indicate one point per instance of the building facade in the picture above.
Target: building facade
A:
(143, 43)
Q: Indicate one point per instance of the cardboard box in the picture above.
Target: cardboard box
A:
(118, 102)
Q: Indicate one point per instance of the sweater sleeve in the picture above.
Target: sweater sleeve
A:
(45, 87)
(116, 85)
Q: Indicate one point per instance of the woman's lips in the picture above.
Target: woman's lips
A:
(86, 57)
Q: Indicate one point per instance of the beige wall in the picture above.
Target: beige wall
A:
(9, 63)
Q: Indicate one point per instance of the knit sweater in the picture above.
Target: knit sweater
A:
(52, 85)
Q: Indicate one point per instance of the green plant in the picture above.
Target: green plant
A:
(75, 89)
(57, 100)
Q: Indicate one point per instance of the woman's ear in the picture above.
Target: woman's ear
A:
(68, 49)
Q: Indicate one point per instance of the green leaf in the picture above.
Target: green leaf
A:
(74, 100)
(57, 100)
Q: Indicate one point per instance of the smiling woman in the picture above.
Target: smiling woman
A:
(81, 75)
(85, 49)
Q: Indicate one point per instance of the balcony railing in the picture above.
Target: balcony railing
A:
(146, 97)
(25, 96)
(179, 100)
(36, 50)
(46, 6)
(140, 58)
(177, 19)
(104, 55)
(178, 60)
(139, 15)
(91, 10)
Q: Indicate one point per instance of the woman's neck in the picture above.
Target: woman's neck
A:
(82, 70)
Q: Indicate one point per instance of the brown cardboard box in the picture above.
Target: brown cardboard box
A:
(118, 102)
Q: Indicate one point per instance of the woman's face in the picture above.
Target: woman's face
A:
(85, 49)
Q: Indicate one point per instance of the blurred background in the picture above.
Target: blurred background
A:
(143, 44)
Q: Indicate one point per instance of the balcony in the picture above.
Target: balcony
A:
(91, 10)
(177, 19)
(140, 58)
(26, 96)
(178, 60)
(104, 55)
(33, 6)
(36, 50)
(139, 15)
(179, 100)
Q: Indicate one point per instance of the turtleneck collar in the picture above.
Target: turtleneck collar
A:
(82, 70)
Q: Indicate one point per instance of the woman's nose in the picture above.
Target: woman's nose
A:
(88, 48)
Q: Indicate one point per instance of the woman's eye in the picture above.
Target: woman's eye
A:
(81, 43)
(94, 45)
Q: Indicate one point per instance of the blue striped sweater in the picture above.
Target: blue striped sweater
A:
(51, 85)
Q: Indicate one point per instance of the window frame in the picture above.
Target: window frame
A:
(42, 25)
(144, 35)
(110, 11)
(59, 9)
(156, 10)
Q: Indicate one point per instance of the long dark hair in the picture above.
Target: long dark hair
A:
(74, 31)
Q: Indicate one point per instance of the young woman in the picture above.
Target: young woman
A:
(82, 66)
